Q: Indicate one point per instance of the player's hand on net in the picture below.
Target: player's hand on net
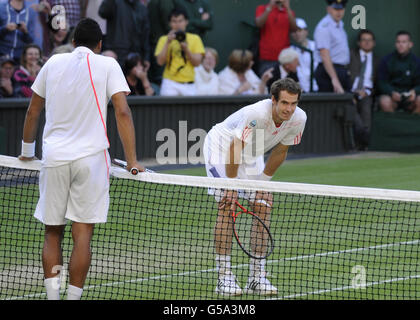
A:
(135, 167)
(264, 198)
(22, 158)
(229, 200)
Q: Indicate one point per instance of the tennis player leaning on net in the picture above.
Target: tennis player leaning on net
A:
(74, 177)
(235, 149)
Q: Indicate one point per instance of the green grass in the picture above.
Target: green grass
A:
(158, 241)
(383, 171)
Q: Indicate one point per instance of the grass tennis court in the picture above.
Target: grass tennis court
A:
(318, 241)
(374, 170)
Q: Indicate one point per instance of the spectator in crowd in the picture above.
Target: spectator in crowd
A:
(399, 77)
(56, 30)
(159, 11)
(37, 34)
(136, 75)
(127, 28)
(7, 84)
(332, 50)
(238, 78)
(73, 11)
(206, 79)
(200, 15)
(17, 21)
(90, 9)
(43, 8)
(275, 21)
(110, 53)
(300, 36)
(287, 66)
(30, 65)
(56, 38)
(363, 67)
(179, 52)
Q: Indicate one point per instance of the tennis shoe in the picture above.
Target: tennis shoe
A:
(227, 285)
(261, 286)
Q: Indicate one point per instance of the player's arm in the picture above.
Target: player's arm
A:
(126, 130)
(234, 157)
(232, 164)
(30, 127)
(275, 160)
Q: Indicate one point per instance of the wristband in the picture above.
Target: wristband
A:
(264, 177)
(28, 149)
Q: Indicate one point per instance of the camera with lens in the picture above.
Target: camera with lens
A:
(180, 36)
(405, 103)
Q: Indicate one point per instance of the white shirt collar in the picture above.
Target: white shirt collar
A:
(364, 53)
(283, 72)
(83, 49)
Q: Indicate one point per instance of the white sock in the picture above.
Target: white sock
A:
(74, 293)
(222, 264)
(52, 285)
(256, 267)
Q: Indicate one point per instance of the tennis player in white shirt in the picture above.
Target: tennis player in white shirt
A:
(74, 179)
(235, 149)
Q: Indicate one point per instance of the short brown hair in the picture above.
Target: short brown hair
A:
(239, 60)
(285, 84)
(213, 52)
(25, 49)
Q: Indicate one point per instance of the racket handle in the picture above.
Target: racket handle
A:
(135, 171)
(264, 202)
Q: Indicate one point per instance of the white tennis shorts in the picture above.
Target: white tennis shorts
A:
(247, 171)
(78, 191)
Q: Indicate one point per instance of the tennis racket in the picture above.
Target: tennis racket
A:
(251, 233)
(123, 164)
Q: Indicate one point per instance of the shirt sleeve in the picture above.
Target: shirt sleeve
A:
(39, 86)
(259, 11)
(246, 127)
(160, 44)
(197, 45)
(322, 38)
(116, 81)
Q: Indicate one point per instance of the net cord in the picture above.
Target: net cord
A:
(239, 184)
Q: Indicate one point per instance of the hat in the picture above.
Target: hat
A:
(301, 24)
(337, 4)
(6, 58)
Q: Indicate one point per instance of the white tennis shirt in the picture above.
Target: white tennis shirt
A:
(255, 126)
(74, 128)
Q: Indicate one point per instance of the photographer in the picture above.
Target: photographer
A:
(180, 52)
(275, 21)
(17, 23)
(399, 77)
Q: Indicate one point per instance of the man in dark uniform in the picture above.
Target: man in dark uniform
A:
(332, 50)
(399, 77)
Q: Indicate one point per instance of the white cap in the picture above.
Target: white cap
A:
(301, 23)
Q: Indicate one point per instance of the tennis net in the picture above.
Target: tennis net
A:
(330, 242)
